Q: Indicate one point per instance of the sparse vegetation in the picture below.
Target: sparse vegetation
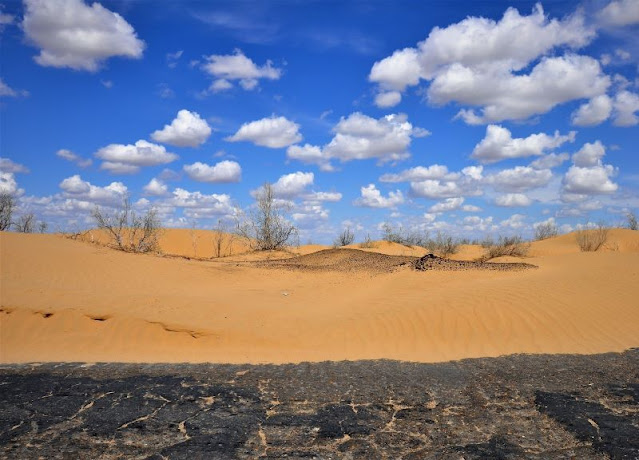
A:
(222, 240)
(7, 205)
(593, 239)
(401, 236)
(129, 231)
(444, 245)
(546, 230)
(345, 238)
(266, 228)
(367, 243)
(631, 221)
(513, 246)
(25, 224)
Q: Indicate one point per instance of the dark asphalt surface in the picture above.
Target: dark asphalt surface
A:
(523, 406)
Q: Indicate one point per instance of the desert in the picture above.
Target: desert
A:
(66, 300)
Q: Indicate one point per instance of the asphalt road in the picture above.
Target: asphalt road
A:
(560, 406)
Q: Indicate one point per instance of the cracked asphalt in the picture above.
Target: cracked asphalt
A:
(522, 406)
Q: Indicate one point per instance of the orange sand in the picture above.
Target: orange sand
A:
(65, 300)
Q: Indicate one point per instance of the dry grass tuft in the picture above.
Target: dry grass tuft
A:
(591, 240)
(513, 246)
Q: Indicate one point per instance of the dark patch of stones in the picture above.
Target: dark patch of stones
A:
(433, 262)
(522, 406)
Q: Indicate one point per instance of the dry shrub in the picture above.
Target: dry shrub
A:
(266, 228)
(7, 205)
(513, 246)
(129, 231)
(344, 239)
(591, 240)
(222, 241)
(367, 243)
(545, 231)
(442, 244)
(631, 221)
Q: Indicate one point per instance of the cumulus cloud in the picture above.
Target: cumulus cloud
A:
(6, 90)
(552, 160)
(588, 175)
(8, 183)
(626, 104)
(228, 68)
(198, 205)
(73, 34)
(590, 180)
(186, 130)
(78, 189)
(416, 174)
(593, 112)
(309, 154)
(449, 204)
(222, 172)
(620, 13)
(500, 145)
(511, 200)
(156, 187)
(9, 166)
(589, 154)
(479, 62)
(360, 137)
(388, 99)
(72, 157)
(371, 197)
(273, 132)
(452, 185)
(127, 159)
(519, 178)
(331, 197)
(293, 185)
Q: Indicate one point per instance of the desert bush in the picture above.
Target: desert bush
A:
(367, 243)
(631, 221)
(546, 230)
(591, 240)
(7, 205)
(513, 246)
(266, 228)
(442, 244)
(25, 224)
(129, 231)
(401, 236)
(345, 238)
(43, 227)
(222, 240)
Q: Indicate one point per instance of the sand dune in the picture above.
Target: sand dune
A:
(73, 301)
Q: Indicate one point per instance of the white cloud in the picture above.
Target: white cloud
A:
(595, 111)
(226, 68)
(331, 197)
(449, 204)
(372, 198)
(73, 34)
(435, 189)
(127, 159)
(186, 130)
(620, 13)
(173, 58)
(273, 132)
(198, 205)
(360, 137)
(511, 200)
(416, 174)
(309, 154)
(589, 154)
(626, 104)
(589, 180)
(76, 188)
(6, 90)
(8, 183)
(72, 157)
(223, 172)
(552, 160)
(479, 62)
(515, 222)
(8, 166)
(388, 99)
(292, 185)
(470, 208)
(156, 187)
(519, 178)
(500, 145)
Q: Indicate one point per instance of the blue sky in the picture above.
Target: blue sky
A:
(468, 117)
